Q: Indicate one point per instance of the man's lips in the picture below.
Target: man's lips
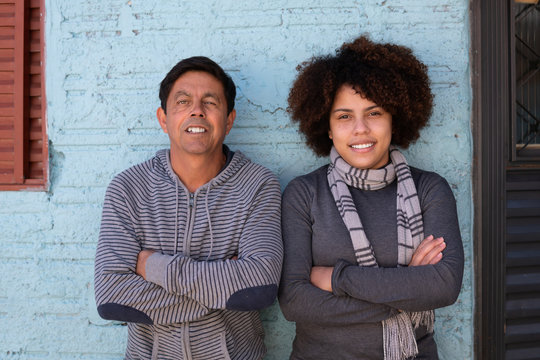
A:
(195, 130)
(196, 126)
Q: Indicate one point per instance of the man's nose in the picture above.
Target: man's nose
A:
(198, 110)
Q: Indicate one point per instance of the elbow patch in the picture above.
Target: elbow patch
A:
(112, 311)
(250, 299)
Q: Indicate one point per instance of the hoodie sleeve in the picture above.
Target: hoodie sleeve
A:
(120, 293)
(246, 284)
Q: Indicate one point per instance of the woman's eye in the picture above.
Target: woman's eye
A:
(374, 113)
(344, 116)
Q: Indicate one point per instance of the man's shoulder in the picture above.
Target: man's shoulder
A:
(142, 174)
(245, 170)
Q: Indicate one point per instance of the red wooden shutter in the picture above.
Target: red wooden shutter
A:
(37, 156)
(11, 78)
(23, 144)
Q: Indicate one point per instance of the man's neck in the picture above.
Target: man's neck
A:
(196, 170)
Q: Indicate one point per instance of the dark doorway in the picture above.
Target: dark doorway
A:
(506, 82)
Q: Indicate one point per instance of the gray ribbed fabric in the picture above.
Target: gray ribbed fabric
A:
(197, 304)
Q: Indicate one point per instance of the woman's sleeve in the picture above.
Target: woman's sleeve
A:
(415, 288)
(300, 301)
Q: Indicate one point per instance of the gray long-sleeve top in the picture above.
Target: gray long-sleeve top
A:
(346, 324)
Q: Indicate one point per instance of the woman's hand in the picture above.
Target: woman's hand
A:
(141, 262)
(321, 277)
(429, 252)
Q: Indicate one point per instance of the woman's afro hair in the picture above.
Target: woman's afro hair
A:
(387, 74)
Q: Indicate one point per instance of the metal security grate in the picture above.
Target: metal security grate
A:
(526, 129)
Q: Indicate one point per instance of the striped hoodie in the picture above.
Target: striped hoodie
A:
(196, 303)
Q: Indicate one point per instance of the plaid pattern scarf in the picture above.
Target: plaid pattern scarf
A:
(398, 331)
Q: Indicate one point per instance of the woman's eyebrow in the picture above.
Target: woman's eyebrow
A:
(350, 110)
(342, 109)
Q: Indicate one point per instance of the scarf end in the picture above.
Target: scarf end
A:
(399, 340)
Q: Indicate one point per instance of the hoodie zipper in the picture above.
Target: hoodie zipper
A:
(190, 222)
(186, 251)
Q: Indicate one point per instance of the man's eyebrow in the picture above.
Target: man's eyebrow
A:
(205, 95)
(181, 93)
(211, 95)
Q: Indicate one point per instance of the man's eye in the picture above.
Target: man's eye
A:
(210, 103)
(181, 102)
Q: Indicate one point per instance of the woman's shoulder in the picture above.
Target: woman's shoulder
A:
(307, 184)
(429, 184)
(311, 179)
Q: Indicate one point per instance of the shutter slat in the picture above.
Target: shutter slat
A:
(523, 307)
(522, 331)
(524, 351)
(523, 254)
(7, 82)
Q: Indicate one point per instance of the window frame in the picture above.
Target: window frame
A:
(24, 131)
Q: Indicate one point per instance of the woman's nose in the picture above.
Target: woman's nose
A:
(360, 126)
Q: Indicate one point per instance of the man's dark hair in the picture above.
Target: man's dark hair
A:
(197, 63)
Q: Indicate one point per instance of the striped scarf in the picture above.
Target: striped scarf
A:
(398, 331)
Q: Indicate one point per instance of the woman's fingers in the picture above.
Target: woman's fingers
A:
(428, 252)
(435, 254)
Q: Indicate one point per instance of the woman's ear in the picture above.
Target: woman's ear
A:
(330, 134)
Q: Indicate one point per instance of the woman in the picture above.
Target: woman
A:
(372, 245)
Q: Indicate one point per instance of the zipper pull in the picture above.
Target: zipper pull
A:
(191, 197)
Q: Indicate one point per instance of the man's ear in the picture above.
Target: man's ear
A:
(230, 120)
(162, 119)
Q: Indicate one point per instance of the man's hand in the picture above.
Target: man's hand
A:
(321, 277)
(141, 262)
(429, 252)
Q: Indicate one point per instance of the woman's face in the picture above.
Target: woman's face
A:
(360, 129)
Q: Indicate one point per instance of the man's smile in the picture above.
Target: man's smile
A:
(195, 130)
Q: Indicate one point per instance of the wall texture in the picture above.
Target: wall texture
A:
(104, 62)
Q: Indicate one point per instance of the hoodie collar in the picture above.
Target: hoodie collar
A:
(234, 161)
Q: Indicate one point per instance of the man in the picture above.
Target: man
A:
(190, 242)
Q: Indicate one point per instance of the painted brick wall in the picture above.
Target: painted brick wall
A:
(104, 62)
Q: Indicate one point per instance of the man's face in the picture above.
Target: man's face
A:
(196, 119)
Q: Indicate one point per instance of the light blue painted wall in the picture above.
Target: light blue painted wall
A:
(104, 62)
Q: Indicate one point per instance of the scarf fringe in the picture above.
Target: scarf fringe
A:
(399, 341)
(423, 318)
